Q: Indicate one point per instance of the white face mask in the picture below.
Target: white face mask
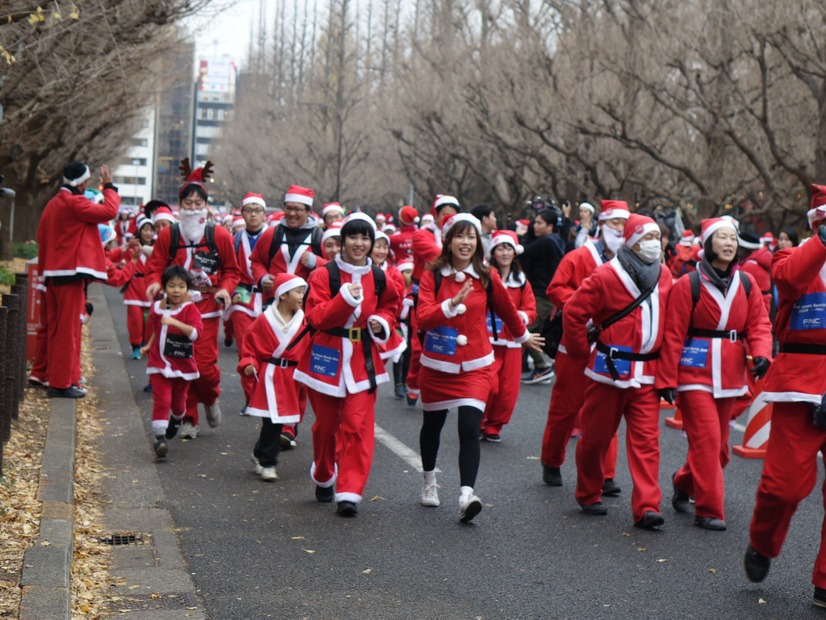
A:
(193, 223)
(650, 250)
(613, 239)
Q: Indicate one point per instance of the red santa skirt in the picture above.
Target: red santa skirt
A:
(442, 390)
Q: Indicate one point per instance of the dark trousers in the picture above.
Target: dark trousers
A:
(267, 446)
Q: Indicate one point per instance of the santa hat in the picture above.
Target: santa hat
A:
(587, 206)
(687, 238)
(382, 235)
(389, 229)
(107, 233)
(334, 230)
(358, 215)
(637, 227)
(253, 199)
(610, 209)
(818, 210)
(452, 220)
(227, 219)
(75, 173)
(442, 200)
(381, 216)
(711, 225)
(427, 218)
(285, 282)
(506, 236)
(163, 214)
(747, 241)
(767, 238)
(409, 215)
(405, 265)
(199, 176)
(238, 222)
(332, 207)
(141, 220)
(301, 195)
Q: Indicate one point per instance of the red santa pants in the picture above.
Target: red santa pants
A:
(167, 395)
(207, 388)
(136, 324)
(706, 422)
(602, 411)
(505, 375)
(239, 323)
(343, 435)
(563, 410)
(789, 475)
(64, 305)
(40, 368)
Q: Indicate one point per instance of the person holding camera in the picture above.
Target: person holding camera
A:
(796, 385)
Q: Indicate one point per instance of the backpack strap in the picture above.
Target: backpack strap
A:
(275, 244)
(174, 241)
(335, 277)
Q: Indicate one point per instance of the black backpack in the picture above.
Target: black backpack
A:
(209, 262)
(379, 279)
(278, 239)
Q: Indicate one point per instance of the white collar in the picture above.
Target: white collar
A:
(448, 270)
(515, 281)
(353, 269)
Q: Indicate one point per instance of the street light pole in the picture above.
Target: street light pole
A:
(136, 163)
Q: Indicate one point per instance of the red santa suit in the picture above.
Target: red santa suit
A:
(638, 335)
(171, 366)
(70, 253)
(401, 243)
(795, 383)
(565, 405)
(709, 371)
(758, 265)
(214, 270)
(134, 298)
(507, 363)
(396, 344)
(283, 261)
(341, 378)
(427, 245)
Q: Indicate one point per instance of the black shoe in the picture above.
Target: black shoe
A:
(69, 392)
(710, 523)
(819, 598)
(680, 500)
(324, 494)
(412, 399)
(347, 509)
(174, 425)
(756, 564)
(610, 488)
(287, 441)
(595, 510)
(227, 342)
(160, 447)
(493, 437)
(148, 388)
(551, 476)
(400, 391)
(650, 521)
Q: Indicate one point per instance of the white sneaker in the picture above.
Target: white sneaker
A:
(268, 474)
(469, 507)
(213, 414)
(430, 494)
(258, 469)
(188, 431)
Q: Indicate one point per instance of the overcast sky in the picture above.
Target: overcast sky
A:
(227, 32)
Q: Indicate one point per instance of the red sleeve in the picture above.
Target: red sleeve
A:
(528, 303)
(758, 325)
(504, 308)
(160, 258)
(321, 311)
(425, 246)
(563, 284)
(249, 352)
(429, 309)
(581, 307)
(260, 255)
(194, 320)
(678, 316)
(87, 211)
(115, 276)
(794, 269)
(230, 273)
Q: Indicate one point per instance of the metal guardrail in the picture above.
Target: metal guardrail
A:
(12, 356)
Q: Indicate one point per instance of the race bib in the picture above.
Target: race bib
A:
(490, 326)
(695, 353)
(208, 262)
(324, 360)
(177, 346)
(809, 312)
(244, 295)
(623, 366)
(441, 341)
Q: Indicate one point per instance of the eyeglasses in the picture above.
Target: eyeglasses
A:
(252, 211)
(295, 209)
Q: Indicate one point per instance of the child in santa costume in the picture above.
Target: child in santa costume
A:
(134, 293)
(507, 363)
(566, 402)
(343, 365)
(406, 330)
(175, 324)
(270, 351)
(796, 385)
(456, 362)
(703, 358)
(396, 345)
(622, 367)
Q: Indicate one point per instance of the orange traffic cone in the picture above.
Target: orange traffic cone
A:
(758, 427)
(675, 421)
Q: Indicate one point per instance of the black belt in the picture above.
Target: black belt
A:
(281, 362)
(800, 347)
(612, 354)
(731, 334)
(354, 334)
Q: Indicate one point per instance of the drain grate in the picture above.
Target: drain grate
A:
(123, 538)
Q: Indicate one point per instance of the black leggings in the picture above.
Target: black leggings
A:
(469, 421)
(268, 444)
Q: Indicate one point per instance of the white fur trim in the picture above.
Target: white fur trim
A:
(648, 227)
(289, 285)
(713, 228)
(385, 326)
(299, 198)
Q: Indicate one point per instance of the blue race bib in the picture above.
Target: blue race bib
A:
(695, 353)
(324, 360)
(623, 366)
(441, 341)
(498, 325)
(809, 312)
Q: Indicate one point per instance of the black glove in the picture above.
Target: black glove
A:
(761, 367)
(669, 395)
(819, 413)
(821, 232)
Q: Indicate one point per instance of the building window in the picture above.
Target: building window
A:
(140, 142)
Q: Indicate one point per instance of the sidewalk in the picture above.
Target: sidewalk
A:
(156, 583)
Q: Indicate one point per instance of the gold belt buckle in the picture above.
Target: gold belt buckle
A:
(354, 334)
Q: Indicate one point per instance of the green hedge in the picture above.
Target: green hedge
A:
(24, 250)
(6, 277)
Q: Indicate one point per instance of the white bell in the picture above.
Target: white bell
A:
(460, 276)
(461, 340)
(461, 309)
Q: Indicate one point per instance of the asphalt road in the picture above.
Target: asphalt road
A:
(269, 550)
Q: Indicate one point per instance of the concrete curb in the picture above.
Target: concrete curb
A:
(47, 565)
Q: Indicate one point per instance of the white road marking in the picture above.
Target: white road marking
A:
(401, 450)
